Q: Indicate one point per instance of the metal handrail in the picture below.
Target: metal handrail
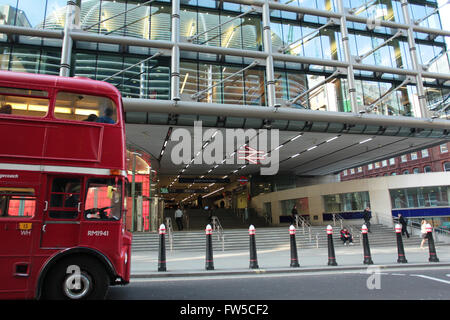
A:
(169, 230)
(304, 224)
(339, 218)
(354, 235)
(416, 225)
(216, 226)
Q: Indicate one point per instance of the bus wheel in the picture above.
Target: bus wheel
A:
(76, 278)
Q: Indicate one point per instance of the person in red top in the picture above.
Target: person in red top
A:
(346, 236)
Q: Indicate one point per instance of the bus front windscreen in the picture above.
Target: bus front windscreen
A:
(103, 199)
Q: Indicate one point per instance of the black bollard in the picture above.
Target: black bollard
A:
(367, 256)
(294, 256)
(400, 249)
(209, 265)
(433, 257)
(253, 257)
(162, 248)
(331, 254)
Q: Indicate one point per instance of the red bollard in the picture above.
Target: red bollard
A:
(294, 256)
(253, 257)
(433, 257)
(162, 249)
(367, 255)
(209, 250)
(331, 254)
(400, 249)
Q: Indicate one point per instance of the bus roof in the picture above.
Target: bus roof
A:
(79, 83)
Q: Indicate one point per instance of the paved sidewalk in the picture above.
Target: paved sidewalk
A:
(192, 263)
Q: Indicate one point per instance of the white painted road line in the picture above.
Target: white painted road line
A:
(431, 278)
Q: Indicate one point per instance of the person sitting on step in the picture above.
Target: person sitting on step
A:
(346, 236)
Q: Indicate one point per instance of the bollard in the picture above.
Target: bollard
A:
(400, 249)
(162, 248)
(331, 254)
(209, 265)
(253, 257)
(294, 256)
(367, 256)
(432, 249)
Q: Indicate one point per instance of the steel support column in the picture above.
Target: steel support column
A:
(267, 38)
(175, 60)
(72, 18)
(348, 58)
(415, 61)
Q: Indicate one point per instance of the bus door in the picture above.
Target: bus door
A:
(17, 209)
(61, 225)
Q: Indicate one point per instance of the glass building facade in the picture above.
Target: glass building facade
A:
(316, 34)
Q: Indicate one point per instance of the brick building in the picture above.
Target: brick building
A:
(433, 159)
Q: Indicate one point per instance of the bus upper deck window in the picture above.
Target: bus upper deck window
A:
(83, 107)
(23, 102)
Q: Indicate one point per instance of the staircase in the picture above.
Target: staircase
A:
(199, 218)
(269, 238)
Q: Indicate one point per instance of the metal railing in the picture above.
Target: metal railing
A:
(414, 224)
(299, 220)
(339, 219)
(217, 227)
(169, 231)
(355, 235)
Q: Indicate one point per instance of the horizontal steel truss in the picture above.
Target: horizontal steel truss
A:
(161, 44)
(290, 114)
(174, 46)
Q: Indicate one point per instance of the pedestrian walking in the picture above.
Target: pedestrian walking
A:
(423, 233)
(367, 215)
(404, 224)
(179, 218)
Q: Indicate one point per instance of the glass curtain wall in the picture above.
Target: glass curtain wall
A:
(420, 197)
(344, 202)
(294, 33)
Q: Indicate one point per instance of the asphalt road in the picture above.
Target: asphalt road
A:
(372, 284)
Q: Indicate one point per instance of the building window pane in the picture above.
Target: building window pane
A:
(255, 91)
(447, 166)
(356, 201)
(420, 197)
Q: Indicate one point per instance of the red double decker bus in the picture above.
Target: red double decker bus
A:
(62, 188)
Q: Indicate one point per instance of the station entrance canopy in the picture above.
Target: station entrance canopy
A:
(308, 143)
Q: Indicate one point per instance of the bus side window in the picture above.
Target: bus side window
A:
(23, 102)
(64, 198)
(17, 202)
(83, 107)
